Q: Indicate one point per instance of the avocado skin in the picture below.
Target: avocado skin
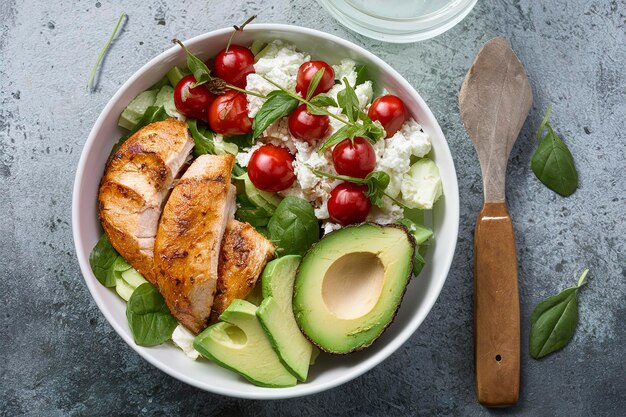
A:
(358, 348)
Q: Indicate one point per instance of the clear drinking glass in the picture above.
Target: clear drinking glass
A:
(399, 21)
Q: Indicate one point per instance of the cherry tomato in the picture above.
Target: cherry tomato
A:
(235, 65)
(390, 112)
(355, 160)
(192, 102)
(306, 126)
(348, 204)
(307, 72)
(271, 168)
(228, 114)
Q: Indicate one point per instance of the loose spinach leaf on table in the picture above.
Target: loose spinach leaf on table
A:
(554, 320)
(150, 321)
(553, 163)
(277, 105)
(293, 227)
(102, 258)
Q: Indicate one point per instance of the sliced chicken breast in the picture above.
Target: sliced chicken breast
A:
(189, 236)
(135, 185)
(243, 256)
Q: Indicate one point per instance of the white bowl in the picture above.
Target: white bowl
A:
(329, 371)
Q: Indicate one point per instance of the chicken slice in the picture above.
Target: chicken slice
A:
(243, 256)
(188, 240)
(135, 185)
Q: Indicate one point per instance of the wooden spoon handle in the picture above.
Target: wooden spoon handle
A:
(496, 308)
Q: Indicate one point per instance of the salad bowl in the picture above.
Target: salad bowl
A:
(329, 371)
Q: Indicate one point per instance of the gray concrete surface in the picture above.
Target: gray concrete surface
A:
(59, 356)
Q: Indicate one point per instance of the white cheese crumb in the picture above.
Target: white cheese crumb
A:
(330, 227)
(280, 63)
(183, 338)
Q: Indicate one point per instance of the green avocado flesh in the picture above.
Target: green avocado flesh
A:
(276, 316)
(239, 343)
(349, 285)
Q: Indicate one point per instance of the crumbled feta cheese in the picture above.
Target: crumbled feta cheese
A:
(183, 338)
(395, 157)
(346, 69)
(280, 63)
(389, 213)
(243, 157)
(328, 227)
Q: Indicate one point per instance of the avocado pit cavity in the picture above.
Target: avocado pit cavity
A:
(352, 285)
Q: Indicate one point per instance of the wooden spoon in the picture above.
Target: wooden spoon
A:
(494, 101)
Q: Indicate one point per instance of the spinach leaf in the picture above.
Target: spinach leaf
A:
(319, 103)
(102, 258)
(554, 320)
(348, 101)
(317, 77)
(553, 163)
(152, 114)
(293, 227)
(203, 141)
(277, 105)
(418, 262)
(150, 321)
(256, 216)
(242, 141)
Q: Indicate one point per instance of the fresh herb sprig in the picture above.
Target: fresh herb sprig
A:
(552, 162)
(554, 320)
(92, 75)
(349, 103)
(376, 182)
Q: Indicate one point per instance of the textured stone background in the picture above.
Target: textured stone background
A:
(59, 356)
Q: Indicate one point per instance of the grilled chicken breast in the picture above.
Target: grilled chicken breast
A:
(242, 259)
(189, 236)
(135, 185)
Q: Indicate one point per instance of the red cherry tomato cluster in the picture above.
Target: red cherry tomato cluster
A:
(271, 167)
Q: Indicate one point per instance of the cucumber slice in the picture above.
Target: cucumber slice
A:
(257, 46)
(123, 289)
(165, 99)
(163, 81)
(222, 148)
(262, 199)
(133, 277)
(133, 113)
(175, 75)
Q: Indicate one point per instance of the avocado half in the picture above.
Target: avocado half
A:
(350, 284)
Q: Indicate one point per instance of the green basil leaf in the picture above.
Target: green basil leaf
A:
(345, 132)
(150, 321)
(200, 71)
(278, 104)
(314, 82)
(553, 164)
(348, 101)
(319, 104)
(293, 227)
(202, 138)
(102, 258)
(372, 131)
(420, 233)
(361, 74)
(553, 321)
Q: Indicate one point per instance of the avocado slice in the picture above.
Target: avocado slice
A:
(350, 284)
(276, 316)
(239, 343)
